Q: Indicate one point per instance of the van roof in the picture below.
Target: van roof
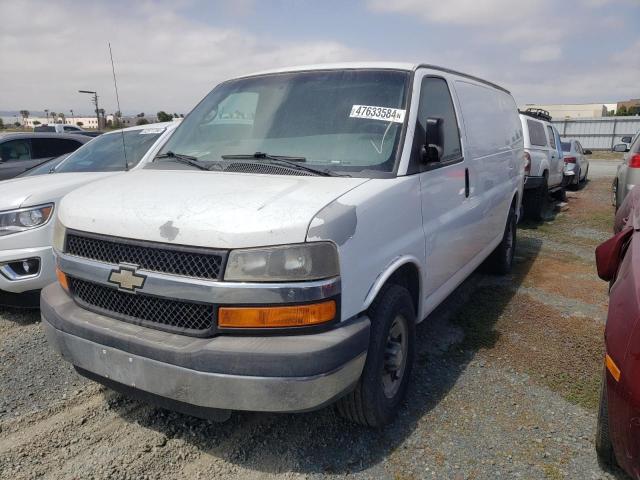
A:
(410, 67)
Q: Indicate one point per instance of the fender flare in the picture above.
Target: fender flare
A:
(388, 271)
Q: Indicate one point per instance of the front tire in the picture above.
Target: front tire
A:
(501, 259)
(376, 399)
(604, 446)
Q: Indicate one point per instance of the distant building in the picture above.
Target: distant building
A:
(87, 122)
(130, 121)
(575, 110)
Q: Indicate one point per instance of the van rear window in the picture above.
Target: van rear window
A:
(536, 133)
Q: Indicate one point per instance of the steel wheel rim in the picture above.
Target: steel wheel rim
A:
(395, 356)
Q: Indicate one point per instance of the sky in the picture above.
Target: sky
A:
(169, 53)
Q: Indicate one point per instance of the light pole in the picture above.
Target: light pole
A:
(46, 112)
(73, 119)
(95, 102)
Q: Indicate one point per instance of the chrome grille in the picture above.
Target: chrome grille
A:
(197, 263)
(188, 318)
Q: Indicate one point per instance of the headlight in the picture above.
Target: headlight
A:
(305, 261)
(59, 233)
(14, 221)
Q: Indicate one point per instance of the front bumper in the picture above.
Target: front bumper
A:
(274, 373)
(45, 276)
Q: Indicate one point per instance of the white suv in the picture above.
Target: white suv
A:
(544, 162)
(279, 252)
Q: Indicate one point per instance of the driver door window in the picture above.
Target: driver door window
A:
(435, 102)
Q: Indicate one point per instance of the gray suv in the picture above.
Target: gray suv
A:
(21, 151)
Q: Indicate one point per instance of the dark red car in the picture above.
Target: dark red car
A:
(618, 435)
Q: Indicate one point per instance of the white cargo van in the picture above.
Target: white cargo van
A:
(279, 251)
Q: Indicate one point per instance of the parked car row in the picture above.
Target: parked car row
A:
(275, 252)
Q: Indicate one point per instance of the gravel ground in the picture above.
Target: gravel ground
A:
(505, 386)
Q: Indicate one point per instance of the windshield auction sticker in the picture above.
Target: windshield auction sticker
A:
(377, 113)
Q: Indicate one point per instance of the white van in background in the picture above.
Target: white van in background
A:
(278, 253)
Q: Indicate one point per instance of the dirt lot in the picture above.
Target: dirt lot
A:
(506, 386)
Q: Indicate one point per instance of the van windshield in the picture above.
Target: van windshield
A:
(340, 120)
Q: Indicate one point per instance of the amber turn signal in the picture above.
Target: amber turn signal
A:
(277, 317)
(62, 278)
(612, 367)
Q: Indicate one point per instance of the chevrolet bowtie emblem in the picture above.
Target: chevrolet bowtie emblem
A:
(126, 278)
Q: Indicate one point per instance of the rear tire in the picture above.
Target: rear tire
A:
(575, 184)
(377, 397)
(604, 446)
(536, 203)
(501, 259)
(586, 174)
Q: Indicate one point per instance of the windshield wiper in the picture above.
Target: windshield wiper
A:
(180, 158)
(293, 162)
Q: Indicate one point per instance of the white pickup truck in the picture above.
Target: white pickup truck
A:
(278, 253)
(545, 172)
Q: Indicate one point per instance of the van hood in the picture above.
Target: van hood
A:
(208, 209)
(39, 189)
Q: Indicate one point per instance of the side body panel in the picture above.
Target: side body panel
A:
(374, 226)
(622, 338)
(494, 147)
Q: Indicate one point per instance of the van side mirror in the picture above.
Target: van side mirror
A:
(626, 139)
(432, 149)
(621, 147)
(587, 152)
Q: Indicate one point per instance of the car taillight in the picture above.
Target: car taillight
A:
(634, 161)
(569, 159)
(527, 163)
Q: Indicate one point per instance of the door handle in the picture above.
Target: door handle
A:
(466, 182)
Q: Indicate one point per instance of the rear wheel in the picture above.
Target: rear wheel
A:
(537, 202)
(383, 384)
(586, 174)
(575, 182)
(604, 447)
(501, 259)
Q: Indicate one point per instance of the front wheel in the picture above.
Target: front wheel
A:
(501, 259)
(604, 447)
(385, 377)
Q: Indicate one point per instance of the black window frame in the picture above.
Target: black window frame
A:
(416, 165)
